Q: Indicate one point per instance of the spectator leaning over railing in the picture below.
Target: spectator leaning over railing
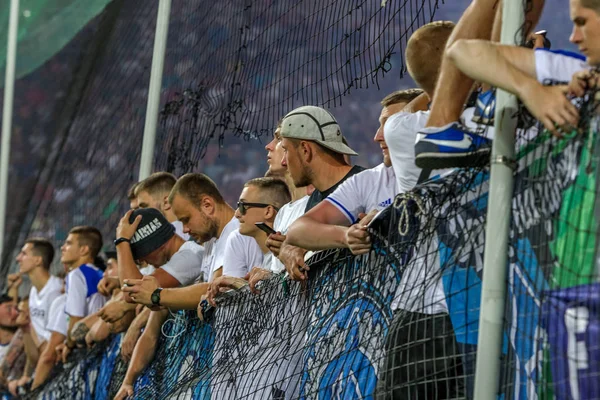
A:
(421, 314)
(314, 151)
(287, 214)
(94, 328)
(524, 71)
(77, 254)
(153, 192)
(150, 237)
(334, 223)
(444, 143)
(198, 204)
(34, 260)
(259, 202)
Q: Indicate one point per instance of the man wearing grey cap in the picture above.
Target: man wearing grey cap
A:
(314, 152)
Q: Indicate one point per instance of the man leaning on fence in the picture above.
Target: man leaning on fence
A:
(334, 222)
(315, 153)
(146, 235)
(198, 204)
(260, 201)
(288, 212)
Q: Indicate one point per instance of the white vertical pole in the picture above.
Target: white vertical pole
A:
(158, 62)
(493, 292)
(7, 114)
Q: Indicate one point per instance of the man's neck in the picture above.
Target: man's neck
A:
(5, 336)
(261, 239)
(174, 245)
(39, 277)
(170, 216)
(296, 192)
(329, 175)
(224, 215)
(80, 262)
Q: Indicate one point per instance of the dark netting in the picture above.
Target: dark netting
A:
(402, 322)
(256, 61)
(231, 69)
(42, 103)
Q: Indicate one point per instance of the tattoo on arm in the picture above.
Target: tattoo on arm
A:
(78, 334)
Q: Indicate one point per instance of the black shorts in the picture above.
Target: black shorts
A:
(422, 359)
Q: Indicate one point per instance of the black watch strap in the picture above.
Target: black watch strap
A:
(155, 297)
(121, 240)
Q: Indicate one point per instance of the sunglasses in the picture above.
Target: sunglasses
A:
(243, 206)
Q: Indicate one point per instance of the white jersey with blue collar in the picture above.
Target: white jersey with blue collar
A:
(371, 189)
(83, 297)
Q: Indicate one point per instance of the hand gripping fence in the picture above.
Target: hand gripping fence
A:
(401, 322)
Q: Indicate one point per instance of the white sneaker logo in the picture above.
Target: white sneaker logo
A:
(465, 143)
(486, 108)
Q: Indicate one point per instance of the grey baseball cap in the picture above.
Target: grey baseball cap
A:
(315, 124)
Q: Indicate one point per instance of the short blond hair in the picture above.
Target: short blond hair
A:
(424, 52)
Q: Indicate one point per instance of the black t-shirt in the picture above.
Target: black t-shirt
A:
(316, 197)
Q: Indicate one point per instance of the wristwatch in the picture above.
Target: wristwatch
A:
(121, 240)
(155, 297)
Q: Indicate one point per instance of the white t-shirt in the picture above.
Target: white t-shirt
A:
(186, 264)
(39, 305)
(3, 350)
(557, 65)
(400, 132)
(83, 298)
(147, 270)
(57, 318)
(242, 253)
(179, 230)
(421, 288)
(372, 189)
(214, 250)
(284, 218)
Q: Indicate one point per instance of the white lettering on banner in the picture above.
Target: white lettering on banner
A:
(576, 321)
(145, 231)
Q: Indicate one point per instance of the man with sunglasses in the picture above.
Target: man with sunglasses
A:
(259, 202)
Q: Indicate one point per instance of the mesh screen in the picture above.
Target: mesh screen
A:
(402, 321)
(231, 71)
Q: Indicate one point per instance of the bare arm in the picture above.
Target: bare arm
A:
(133, 333)
(145, 347)
(72, 322)
(323, 227)
(47, 359)
(98, 332)
(511, 68)
(185, 298)
(127, 267)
